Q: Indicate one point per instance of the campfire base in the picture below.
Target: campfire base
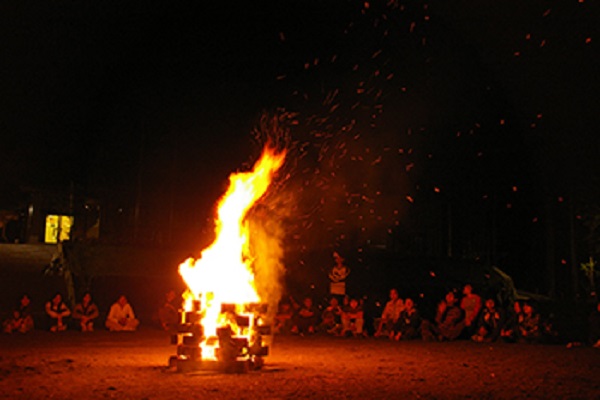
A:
(234, 367)
(237, 350)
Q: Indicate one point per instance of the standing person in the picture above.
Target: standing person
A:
(337, 276)
(121, 316)
(57, 312)
(390, 314)
(471, 305)
(86, 313)
(21, 320)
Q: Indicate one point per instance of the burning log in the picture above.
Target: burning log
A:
(239, 345)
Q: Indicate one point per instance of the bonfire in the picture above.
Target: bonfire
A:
(224, 319)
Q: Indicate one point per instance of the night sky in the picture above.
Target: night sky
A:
(391, 104)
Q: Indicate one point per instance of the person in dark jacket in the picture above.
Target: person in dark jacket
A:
(408, 324)
(85, 313)
(449, 321)
(57, 312)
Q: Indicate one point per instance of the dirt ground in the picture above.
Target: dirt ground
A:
(102, 365)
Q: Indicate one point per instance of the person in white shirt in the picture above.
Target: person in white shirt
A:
(390, 315)
(121, 316)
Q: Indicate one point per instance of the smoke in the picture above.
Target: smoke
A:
(266, 243)
(267, 219)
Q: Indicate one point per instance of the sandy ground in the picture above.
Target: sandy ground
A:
(101, 365)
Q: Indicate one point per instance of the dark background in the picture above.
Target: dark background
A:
(448, 128)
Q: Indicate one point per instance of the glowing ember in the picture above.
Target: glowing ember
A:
(223, 275)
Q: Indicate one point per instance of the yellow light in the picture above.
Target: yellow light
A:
(58, 227)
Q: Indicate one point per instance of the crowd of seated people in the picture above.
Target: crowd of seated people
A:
(306, 318)
(59, 316)
(467, 317)
(456, 317)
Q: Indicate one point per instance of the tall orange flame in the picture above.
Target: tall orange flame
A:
(223, 274)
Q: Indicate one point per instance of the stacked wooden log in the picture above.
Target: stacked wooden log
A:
(240, 345)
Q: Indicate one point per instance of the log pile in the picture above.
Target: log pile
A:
(240, 343)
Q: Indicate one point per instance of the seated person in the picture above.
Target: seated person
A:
(121, 316)
(594, 326)
(331, 318)
(449, 321)
(471, 305)
(305, 319)
(529, 325)
(168, 313)
(85, 313)
(390, 314)
(21, 320)
(353, 319)
(57, 312)
(549, 333)
(510, 328)
(490, 323)
(283, 319)
(408, 324)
